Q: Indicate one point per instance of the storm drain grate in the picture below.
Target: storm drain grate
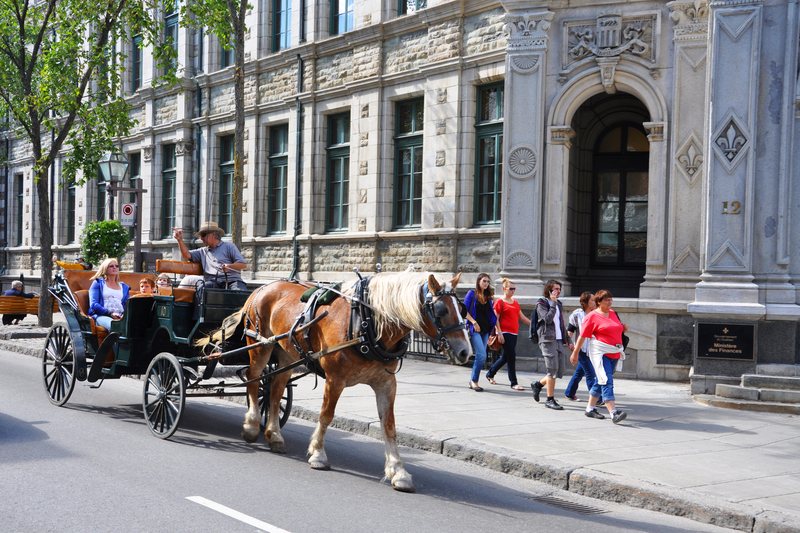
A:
(567, 505)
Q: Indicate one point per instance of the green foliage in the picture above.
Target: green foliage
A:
(103, 238)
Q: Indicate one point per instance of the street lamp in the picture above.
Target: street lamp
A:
(114, 167)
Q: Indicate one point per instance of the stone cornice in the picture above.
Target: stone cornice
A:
(691, 20)
(528, 31)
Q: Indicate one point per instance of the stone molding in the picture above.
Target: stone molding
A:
(528, 31)
(562, 135)
(691, 20)
(655, 131)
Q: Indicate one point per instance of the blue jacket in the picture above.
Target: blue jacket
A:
(96, 298)
(15, 292)
(470, 302)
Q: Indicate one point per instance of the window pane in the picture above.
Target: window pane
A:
(405, 118)
(419, 115)
(487, 151)
(607, 247)
(608, 186)
(637, 141)
(612, 142)
(608, 216)
(635, 247)
(489, 104)
(636, 184)
(635, 217)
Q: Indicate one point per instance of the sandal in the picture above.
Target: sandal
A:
(517, 387)
(490, 380)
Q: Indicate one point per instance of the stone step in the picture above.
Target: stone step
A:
(778, 370)
(770, 382)
(757, 395)
(747, 405)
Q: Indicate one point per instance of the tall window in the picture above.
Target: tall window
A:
(341, 16)
(71, 213)
(338, 172)
(281, 24)
(136, 67)
(410, 117)
(101, 196)
(20, 207)
(489, 154)
(227, 148)
(278, 167)
(228, 56)
(621, 179)
(135, 171)
(168, 178)
(171, 30)
(409, 6)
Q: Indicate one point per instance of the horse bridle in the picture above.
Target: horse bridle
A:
(435, 310)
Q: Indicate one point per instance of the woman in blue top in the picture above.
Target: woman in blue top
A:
(482, 321)
(107, 295)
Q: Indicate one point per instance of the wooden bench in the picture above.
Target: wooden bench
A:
(18, 305)
(166, 266)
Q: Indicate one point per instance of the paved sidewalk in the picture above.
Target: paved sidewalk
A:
(735, 469)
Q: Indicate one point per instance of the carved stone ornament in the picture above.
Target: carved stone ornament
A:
(524, 64)
(608, 68)
(519, 260)
(562, 135)
(610, 35)
(147, 153)
(655, 131)
(183, 147)
(690, 159)
(528, 31)
(730, 140)
(522, 162)
(691, 20)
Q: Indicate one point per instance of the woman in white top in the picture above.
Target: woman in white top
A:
(107, 295)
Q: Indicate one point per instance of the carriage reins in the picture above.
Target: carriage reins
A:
(435, 311)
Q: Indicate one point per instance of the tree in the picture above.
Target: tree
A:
(225, 19)
(60, 72)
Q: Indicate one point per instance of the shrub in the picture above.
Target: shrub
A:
(103, 238)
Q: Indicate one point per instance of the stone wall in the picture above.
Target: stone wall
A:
(484, 32)
(277, 84)
(221, 99)
(276, 258)
(444, 40)
(405, 52)
(20, 149)
(335, 70)
(479, 255)
(366, 60)
(166, 109)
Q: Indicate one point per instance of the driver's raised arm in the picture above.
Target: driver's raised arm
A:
(178, 235)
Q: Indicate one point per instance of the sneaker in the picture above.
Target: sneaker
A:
(572, 398)
(537, 387)
(594, 413)
(552, 404)
(600, 402)
(619, 416)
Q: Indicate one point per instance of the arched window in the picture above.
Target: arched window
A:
(620, 196)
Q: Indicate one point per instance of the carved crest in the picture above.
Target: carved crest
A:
(611, 34)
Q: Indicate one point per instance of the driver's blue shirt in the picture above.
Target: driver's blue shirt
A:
(225, 253)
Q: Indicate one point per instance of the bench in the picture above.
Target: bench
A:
(18, 305)
(186, 268)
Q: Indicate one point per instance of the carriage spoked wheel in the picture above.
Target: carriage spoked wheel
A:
(264, 389)
(58, 365)
(164, 395)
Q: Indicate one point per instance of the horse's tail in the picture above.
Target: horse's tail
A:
(224, 332)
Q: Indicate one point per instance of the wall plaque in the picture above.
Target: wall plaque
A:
(726, 341)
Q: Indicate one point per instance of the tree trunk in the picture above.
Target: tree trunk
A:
(238, 163)
(45, 299)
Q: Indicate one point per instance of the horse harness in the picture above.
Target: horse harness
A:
(362, 327)
(435, 310)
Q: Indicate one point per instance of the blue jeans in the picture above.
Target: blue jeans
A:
(509, 356)
(479, 341)
(104, 322)
(606, 391)
(585, 368)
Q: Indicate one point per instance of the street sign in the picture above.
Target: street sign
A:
(127, 214)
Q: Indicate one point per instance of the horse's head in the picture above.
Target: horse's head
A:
(443, 322)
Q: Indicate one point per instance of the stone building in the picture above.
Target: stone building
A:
(644, 147)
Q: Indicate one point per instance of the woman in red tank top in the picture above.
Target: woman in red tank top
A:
(508, 314)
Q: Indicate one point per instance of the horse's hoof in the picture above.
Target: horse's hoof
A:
(403, 485)
(319, 465)
(249, 438)
(277, 447)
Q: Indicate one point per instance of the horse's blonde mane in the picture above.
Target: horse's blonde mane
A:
(397, 298)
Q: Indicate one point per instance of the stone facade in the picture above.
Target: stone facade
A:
(713, 238)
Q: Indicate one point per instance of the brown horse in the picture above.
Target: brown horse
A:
(401, 302)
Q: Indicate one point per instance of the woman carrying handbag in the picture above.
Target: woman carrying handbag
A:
(482, 320)
(508, 314)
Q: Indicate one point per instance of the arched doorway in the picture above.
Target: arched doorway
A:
(608, 196)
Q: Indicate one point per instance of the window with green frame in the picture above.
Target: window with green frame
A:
(227, 148)
(136, 63)
(171, 29)
(488, 154)
(338, 180)
(228, 56)
(341, 16)
(278, 169)
(135, 171)
(168, 179)
(20, 207)
(281, 24)
(405, 7)
(70, 213)
(101, 196)
(410, 118)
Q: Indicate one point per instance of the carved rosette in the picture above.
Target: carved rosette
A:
(522, 162)
(691, 20)
(528, 31)
(525, 64)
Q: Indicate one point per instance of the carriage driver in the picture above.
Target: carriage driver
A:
(217, 257)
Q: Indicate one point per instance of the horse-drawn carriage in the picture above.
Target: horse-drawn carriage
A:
(351, 336)
(154, 338)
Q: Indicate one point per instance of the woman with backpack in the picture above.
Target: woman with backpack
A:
(509, 314)
(482, 320)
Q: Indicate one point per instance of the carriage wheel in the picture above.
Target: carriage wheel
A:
(164, 395)
(264, 389)
(58, 365)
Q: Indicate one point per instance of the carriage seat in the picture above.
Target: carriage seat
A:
(167, 266)
(82, 297)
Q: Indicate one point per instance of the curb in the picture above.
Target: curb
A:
(598, 485)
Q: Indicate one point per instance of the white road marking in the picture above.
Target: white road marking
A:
(269, 528)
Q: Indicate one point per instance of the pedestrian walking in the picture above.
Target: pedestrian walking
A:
(604, 352)
(584, 364)
(482, 320)
(553, 339)
(509, 314)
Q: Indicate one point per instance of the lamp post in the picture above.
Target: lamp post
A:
(114, 167)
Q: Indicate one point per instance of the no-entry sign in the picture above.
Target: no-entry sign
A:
(127, 214)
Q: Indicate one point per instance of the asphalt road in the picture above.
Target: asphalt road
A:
(93, 466)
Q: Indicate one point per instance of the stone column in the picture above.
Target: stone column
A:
(555, 226)
(523, 137)
(656, 211)
(726, 287)
(689, 148)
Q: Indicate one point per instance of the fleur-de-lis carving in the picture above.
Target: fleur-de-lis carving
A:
(691, 160)
(731, 143)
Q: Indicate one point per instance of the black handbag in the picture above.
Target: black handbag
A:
(625, 338)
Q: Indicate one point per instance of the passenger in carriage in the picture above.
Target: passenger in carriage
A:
(107, 295)
(221, 260)
(146, 286)
(163, 285)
